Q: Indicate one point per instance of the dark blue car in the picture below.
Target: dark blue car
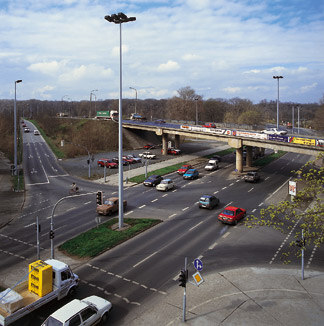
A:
(153, 180)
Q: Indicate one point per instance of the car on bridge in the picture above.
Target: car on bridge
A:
(231, 215)
(208, 201)
(274, 131)
(209, 125)
(191, 174)
(153, 180)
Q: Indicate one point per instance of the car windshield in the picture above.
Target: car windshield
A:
(228, 212)
(164, 182)
(152, 177)
(204, 199)
(184, 167)
(109, 202)
(190, 171)
(251, 174)
(51, 321)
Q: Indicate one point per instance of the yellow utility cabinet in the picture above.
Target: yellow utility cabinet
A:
(40, 279)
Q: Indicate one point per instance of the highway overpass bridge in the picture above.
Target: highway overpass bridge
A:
(234, 138)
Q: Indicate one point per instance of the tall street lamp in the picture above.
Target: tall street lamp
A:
(91, 93)
(196, 100)
(277, 77)
(119, 19)
(135, 96)
(15, 126)
(298, 107)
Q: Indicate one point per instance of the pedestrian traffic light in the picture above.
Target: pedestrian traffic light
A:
(99, 198)
(51, 234)
(183, 278)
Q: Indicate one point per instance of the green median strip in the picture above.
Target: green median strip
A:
(104, 237)
(268, 159)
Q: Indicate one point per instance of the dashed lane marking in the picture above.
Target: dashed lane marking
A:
(184, 209)
(154, 200)
(213, 246)
(196, 226)
(172, 215)
(251, 189)
(12, 254)
(142, 206)
(130, 212)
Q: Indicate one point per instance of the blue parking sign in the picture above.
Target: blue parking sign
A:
(198, 264)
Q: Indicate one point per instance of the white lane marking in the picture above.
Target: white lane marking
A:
(253, 210)
(196, 226)
(88, 202)
(226, 235)
(231, 184)
(216, 192)
(142, 261)
(31, 224)
(260, 204)
(224, 188)
(152, 201)
(172, 215)
(142, 206)
(213, 246)
(164, 195)
(251, 189)
(184, 209)
(267, 178)
(311, 257)
(129, 212)
(229, 203)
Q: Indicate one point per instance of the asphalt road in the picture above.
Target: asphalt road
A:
(147, 265)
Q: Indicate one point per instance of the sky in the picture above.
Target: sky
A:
(65, 49)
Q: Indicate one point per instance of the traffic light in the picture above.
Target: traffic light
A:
(99, 198)
(183, 278)
(51, 234)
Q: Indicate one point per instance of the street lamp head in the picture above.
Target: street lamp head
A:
(119, 18)
(18, 81)
(277, 77)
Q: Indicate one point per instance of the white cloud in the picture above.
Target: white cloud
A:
(190, 57)
(47, 68)
(252, 71)
(169, 66)
(307, 88)
(42, 92)
(232, 90)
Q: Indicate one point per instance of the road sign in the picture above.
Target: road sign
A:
(198, 264)
(198, 278)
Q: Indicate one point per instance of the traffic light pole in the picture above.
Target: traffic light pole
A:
(184, 295)
(302, 256)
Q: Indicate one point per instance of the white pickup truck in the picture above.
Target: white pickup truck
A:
(19, 301)
(274, 131)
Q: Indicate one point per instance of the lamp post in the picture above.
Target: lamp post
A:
(119, 19)
(135, 96)
(196, 100)
(277, 77)
(91, 93)
(15, 126)
(298, 107)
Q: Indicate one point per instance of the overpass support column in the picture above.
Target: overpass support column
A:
(249, 156)
(177, 141)
(239, 159)
(164, 144)
(238, 144)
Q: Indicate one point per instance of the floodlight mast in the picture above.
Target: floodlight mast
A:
(119, 19)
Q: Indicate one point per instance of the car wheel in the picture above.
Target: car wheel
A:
(104, 317)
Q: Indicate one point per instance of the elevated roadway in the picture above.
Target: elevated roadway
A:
(248, 140)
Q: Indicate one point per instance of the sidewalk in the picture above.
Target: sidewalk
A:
(246, 296)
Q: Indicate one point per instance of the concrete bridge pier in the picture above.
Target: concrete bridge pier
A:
(249, 156)
(164, 144)
(238, 144)
(176, 141)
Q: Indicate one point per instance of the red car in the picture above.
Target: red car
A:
(184, 169)
(231, 215)
(128, 159)
(149, 146)
(174, 151)
(209, 125)
(108, 163)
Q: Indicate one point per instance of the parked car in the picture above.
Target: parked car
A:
(116, 160)
(251, 177)
(208, 201)
(135, 158)
(89, 311)
(165, 185)
(191, 174)
(152, 180)
(274, 131)
(173, 151)
(211, 166)
(129, 159)
(231, 215)
(148, 155)
(107, 162)
(209, 125)
(149, 146)
(184, 169)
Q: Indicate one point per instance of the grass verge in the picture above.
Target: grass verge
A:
(58, 153)
(268, 159)
(102, 238)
